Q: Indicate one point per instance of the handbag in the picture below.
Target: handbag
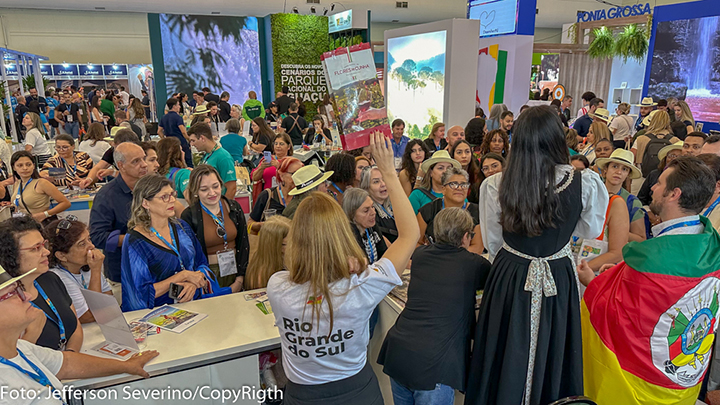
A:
(213, 288)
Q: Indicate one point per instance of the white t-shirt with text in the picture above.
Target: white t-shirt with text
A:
(75, 283)
(311, 355)
(48, 360)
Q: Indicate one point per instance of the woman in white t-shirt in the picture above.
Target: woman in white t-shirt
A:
(38, 370)
(77, 262)
(94, 143)
(622, 127)
(323, 302)
(35, 138)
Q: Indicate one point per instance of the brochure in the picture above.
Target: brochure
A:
(172, 319)
(114, 350)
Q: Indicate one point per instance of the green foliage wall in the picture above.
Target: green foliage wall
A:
(298, 39)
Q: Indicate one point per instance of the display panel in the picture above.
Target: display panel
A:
(497, 17)
(686, 65)
(218, 52)
(416, 81)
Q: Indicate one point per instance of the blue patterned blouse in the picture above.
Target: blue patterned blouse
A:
(145, 263)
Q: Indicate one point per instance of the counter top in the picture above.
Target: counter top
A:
(234, 328)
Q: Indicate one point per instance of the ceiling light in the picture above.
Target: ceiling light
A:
(65, 65)
(325, 10)
(332, 7)
(295, 10)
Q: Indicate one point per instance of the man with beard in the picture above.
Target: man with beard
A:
(649, 323)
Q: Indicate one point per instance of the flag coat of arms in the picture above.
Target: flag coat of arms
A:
(649, 323)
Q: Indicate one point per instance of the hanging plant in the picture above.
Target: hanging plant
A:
(603, 44)
(648, 26)
(631, 43)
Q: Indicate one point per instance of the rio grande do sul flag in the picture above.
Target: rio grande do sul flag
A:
(649, 323)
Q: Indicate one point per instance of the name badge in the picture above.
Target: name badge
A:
(226, 262)
(70, 118)
(398, 163)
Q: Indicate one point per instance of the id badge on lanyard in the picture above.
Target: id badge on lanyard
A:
(226, 262)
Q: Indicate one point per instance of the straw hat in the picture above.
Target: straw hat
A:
(624, 157)
(601, 114)
(113, 131)
(646, 120)
(307, 178)
(201, 109)
(437, 157)
(664, 151)
(647, 102)
(7, 280)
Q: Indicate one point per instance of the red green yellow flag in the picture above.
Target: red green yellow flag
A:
(649, 323)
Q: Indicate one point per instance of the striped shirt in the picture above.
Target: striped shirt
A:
(80, 170)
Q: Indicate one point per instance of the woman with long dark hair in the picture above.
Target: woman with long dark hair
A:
(462, 152)
(416, 152)
(528, 343)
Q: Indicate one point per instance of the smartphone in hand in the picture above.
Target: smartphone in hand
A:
(267, 156)
(175, 291)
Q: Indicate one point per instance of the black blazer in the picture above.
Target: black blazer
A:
(193, 216)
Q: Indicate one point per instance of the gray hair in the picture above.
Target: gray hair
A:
(118, 156)
(452, 171)
(233, 126)
(145, 189)
(365, 179)
(451, 224)
(352, 200)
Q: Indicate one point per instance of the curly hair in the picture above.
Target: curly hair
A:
(407, 163)
(10, 231)
(475, 131)
(343, 167)
(485, 147)
(169, 154)
(62, 240)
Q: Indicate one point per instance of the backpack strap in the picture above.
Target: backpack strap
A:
(428, 193)
(173, 171)
(607, 215)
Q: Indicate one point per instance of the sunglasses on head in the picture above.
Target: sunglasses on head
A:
(65, 224)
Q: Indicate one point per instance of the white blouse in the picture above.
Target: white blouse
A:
(595, 200)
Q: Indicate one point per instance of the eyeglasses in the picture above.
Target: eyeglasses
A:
(65, 224)
(38, 247)
(62, 148)
(167, 197)
(455, 185)
(19, 290)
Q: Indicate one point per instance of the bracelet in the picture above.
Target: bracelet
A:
(418, 179)
(46, 214)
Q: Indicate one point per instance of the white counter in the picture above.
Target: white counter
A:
(220, 351)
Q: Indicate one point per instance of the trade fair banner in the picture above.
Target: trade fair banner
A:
(358, 96)
(298, 42)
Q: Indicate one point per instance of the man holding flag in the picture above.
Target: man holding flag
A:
(649, 322)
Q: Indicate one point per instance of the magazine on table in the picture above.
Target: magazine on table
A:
(172, 319)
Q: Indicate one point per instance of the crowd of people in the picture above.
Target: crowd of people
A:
(531, 208)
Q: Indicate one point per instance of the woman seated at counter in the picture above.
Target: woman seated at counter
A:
(262, 176)
(455, 187)
(276, 198)
(35, 142)
(76, 164)
(171, 159)
(31, 194)
(158, 249)
(359, 208)
(428, 183)
(36, 370)
(77, 262)
(271, 258)
(263, 136)
(219, 224)
(318, 132)
(23, 248)
(372, 182)
(326, 268)
(427, 350)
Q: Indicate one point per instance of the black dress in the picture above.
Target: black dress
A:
(503, 343)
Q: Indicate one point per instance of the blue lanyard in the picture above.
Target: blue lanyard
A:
(39, 376)
(82, 277)
(172, 246)
(680, 225)
(59, 322)
(337, 188)
(218, 221)
(21, 189)
(74, 170)
(712, 207)
(463, 207)
(371, 253)
(389, 214)
(280, 193)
